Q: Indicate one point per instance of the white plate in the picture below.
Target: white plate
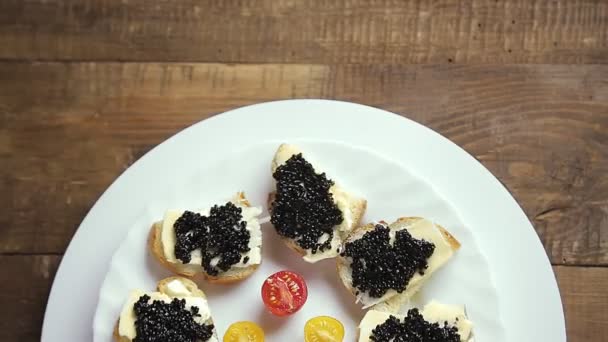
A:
(496, 228)
(391, 192)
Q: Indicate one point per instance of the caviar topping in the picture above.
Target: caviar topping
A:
(414, 328)
(378, 266)
(303, 209)
(222, 237)
(158, 321)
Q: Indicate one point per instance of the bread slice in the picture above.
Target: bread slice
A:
(352, 208)
(419, 228)
(433, 312)
(167, 287)
(234, 274)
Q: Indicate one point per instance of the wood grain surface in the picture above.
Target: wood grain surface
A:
(318, 31)
(89, 86)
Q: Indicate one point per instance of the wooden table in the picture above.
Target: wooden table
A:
(88, 86)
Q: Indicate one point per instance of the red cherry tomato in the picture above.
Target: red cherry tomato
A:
(284, 293)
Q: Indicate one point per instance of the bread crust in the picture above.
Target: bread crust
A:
(231, 276)
(343, 265)
(161, 287)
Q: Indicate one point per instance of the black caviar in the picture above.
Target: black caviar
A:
(158, 321)
(378, 266)
(221, 234)
(413, 328)
(303, 208)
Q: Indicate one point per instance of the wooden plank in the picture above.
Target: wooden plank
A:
(584, 294)
(23, 295)
(69, 129)
(319, 31)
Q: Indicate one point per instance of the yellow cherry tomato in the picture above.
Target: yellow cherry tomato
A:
(323, 329)
(244, 332)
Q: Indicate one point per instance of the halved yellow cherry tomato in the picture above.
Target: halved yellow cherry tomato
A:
(244, 332)
(323, 329)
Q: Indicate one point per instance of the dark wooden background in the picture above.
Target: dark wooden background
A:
(88, 86)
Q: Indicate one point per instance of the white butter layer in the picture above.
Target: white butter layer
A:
(422, 230)
(345, 202)
(454, 314)
(286, 152)
(249, 215)
(433, 312)
(328, 253)
(175, 288)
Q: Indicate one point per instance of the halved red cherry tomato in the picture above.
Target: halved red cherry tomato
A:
(284, 293)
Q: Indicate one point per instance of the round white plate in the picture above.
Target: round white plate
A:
(501, 274)
(391, 192)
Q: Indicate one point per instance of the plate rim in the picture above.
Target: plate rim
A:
(362, 117)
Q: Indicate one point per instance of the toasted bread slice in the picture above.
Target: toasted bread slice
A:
(433, 312)
(168, 286)
(352, 208)
(419, 228)
(234, 274)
